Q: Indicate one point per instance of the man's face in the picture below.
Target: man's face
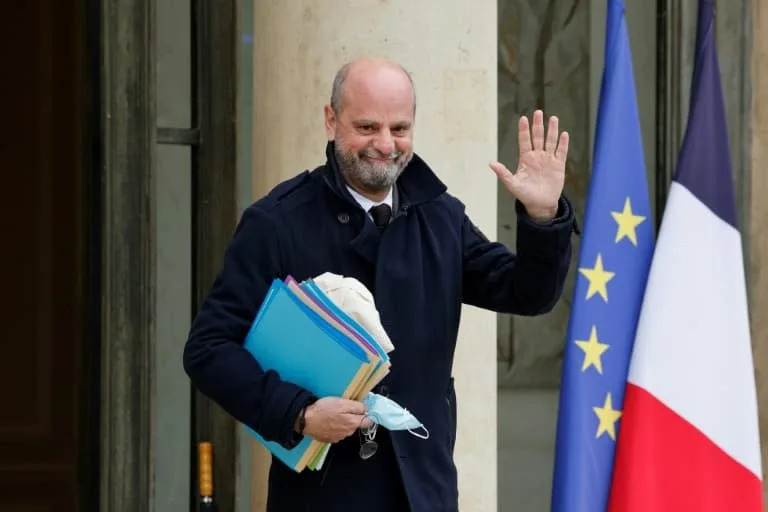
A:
(373, 132)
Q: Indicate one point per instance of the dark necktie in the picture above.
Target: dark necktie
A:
(381, 215)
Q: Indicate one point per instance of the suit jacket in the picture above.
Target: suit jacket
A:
(429, 260)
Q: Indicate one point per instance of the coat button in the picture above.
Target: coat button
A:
(343, 218)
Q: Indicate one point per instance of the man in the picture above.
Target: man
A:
(420, 256)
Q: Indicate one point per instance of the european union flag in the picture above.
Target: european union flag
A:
(614, 259)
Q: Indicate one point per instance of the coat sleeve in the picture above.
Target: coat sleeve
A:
(526, 283)
(214, 357)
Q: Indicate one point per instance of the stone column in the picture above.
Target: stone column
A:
(758, 216)
(450, 48)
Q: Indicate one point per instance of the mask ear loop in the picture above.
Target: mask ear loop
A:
(420, 436)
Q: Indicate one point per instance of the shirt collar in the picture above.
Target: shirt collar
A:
(365, 203)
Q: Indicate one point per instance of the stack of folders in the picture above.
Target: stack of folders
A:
(302, 335)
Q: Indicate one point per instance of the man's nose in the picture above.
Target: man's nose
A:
(384, 142)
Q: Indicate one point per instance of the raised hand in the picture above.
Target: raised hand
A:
(332, 419)
(538, 181)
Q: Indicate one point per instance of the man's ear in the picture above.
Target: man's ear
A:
(330, 122)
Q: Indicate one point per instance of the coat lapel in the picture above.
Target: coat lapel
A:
(366, 243)
(417, 184)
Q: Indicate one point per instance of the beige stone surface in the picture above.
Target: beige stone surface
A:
(758, 232)
(450, 48)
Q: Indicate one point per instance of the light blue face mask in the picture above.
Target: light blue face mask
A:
(392, 416)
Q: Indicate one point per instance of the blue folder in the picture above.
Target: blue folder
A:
(311, 287)
(291, 339)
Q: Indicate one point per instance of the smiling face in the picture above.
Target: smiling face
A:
(372, 126)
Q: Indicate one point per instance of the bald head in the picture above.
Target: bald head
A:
(367, 72)
(370, 119)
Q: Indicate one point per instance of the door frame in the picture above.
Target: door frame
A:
(129, 138)
(127, 270)
(90, 448)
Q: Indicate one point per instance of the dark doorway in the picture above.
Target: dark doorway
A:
(47, 420)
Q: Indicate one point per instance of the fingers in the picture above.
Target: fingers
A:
(552, 134)
(506, 177)
(336, 405)
(534, 139)
(353, 407)
(562, 147)
(501, 170)
(524, 135)
(538, 130)
(332, 428)
(348, 425)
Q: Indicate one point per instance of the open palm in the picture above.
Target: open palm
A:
(538, 181)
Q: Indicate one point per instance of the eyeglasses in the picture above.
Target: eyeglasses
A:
(368, 446)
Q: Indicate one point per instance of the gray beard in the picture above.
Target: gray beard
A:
(368, 175)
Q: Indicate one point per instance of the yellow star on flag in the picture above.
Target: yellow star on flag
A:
(627, 222)
(598, 279)
(593, 349)
(608, 417)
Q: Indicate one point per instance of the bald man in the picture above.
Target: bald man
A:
(377, 212)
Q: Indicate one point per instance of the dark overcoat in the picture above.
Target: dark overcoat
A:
(428, 261)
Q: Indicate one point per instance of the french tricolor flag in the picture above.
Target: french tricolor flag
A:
(689, 434)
